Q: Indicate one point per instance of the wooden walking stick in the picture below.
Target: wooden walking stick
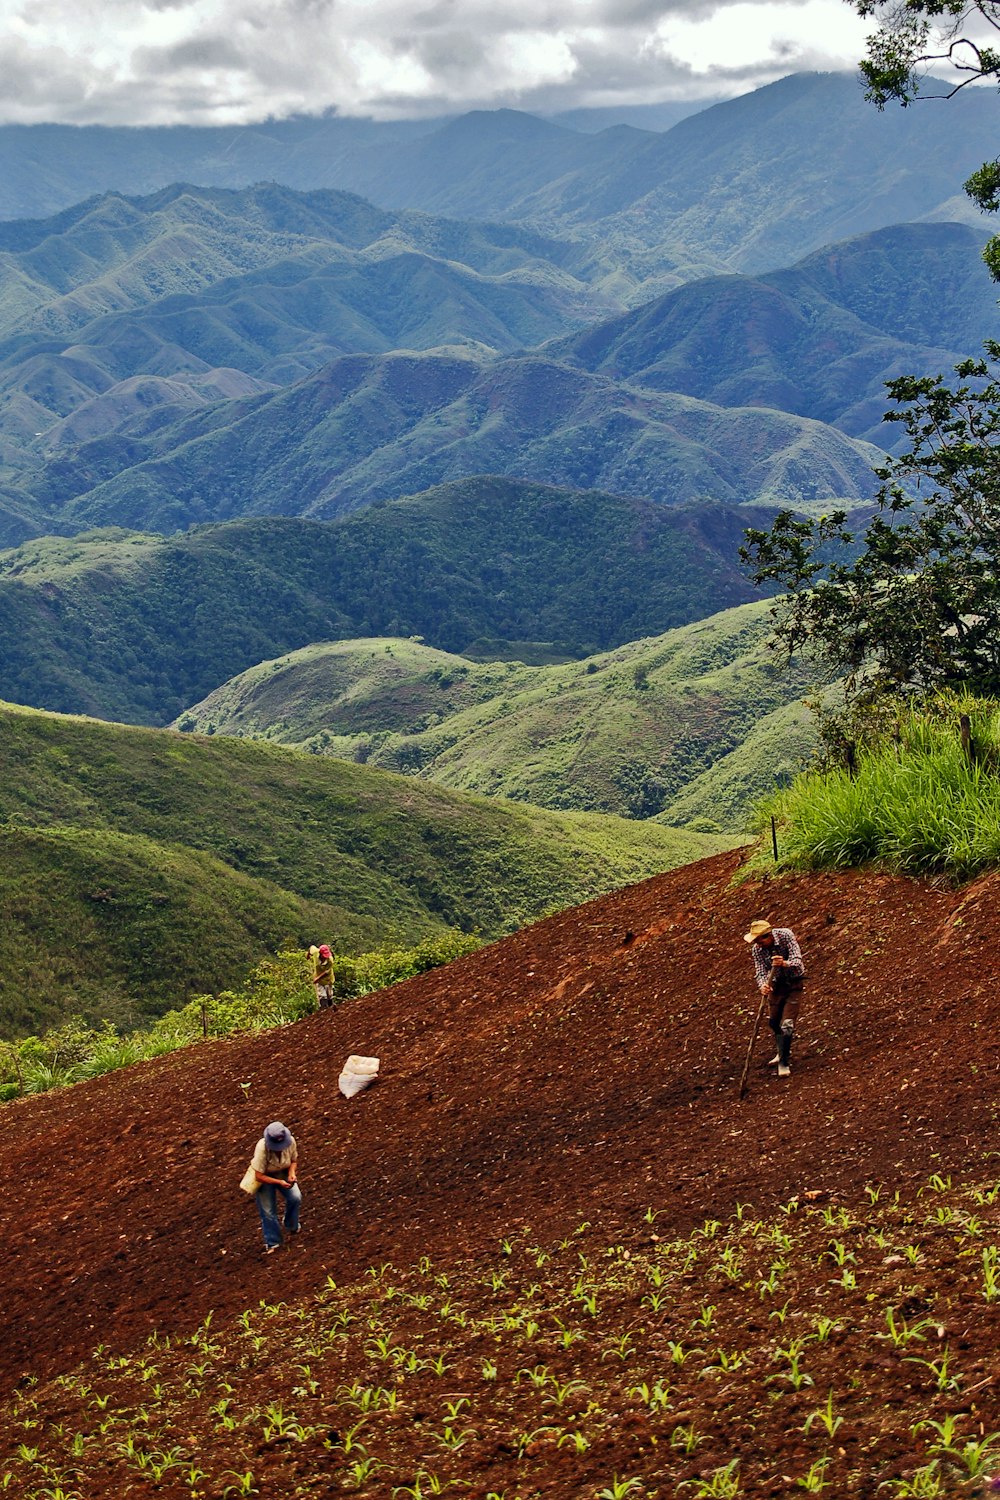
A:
(753, 1039)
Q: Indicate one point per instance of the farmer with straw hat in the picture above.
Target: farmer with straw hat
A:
(780, 975)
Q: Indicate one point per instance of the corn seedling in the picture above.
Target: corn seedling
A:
(561, 1393)
(618, 1489)
(824, 1415)
(361, 1470)
(525, 1439)
(902, 1333)
(685, 1439)
(813, 1481)
(242, 1484)
(795, 1376)
(723, 1483)
(923, 1484)
(938, 1369)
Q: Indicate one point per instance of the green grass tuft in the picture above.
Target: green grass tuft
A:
(918, 804)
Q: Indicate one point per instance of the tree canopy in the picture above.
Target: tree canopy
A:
(914, 42)
(914, 604)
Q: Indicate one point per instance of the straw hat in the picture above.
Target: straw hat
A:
(757, 930)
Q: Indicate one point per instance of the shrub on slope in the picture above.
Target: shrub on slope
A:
(915, 802)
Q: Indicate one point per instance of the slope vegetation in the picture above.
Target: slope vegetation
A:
(557, 1143)
(137, 627)
(141, 866)
(624, 732)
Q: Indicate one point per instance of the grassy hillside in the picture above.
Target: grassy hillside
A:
(915, 801)
(137, 627)
(370, 428)
(629, 732)
(141, 865)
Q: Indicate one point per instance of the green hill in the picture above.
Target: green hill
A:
(135, 627)
(679, 726)
(820, 338)
(370, 428)
(140, 866)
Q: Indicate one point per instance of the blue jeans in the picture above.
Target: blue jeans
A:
(267, 1204)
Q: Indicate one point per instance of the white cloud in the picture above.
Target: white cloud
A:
(232, 61)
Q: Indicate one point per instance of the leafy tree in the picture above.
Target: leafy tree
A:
(918, 608)
(914, 38)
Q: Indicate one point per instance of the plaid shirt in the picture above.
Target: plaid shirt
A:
(785, 943)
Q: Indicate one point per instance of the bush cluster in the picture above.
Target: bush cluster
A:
(918, 799)
(278, 991)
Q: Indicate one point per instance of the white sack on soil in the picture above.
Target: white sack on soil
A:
(358, 1073)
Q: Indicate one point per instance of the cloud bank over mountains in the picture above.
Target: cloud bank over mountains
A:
(203, 62)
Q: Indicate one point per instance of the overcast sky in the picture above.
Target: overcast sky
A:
(234, 61)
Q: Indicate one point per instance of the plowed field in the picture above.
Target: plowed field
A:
(584, 1071)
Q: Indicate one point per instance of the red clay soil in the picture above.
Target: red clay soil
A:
(581, 1069)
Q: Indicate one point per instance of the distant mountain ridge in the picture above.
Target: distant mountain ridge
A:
(218, 402)
(749, 184)
(820, 338)
(372, 428)
(201, 295)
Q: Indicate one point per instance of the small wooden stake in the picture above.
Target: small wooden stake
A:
(774, 838)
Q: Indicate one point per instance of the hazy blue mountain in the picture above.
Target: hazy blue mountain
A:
(820, 338)
(48, 167)
(747, 184)
(658, 117)
(136, 627)
(761, 180)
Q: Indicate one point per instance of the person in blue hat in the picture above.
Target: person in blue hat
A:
(275, 1166)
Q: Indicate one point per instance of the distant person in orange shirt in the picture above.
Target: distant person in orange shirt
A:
(323, 976)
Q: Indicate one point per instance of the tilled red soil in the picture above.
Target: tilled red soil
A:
(579, 1070)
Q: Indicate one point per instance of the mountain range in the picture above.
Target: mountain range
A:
(819, 338)
(748, 184)
(165, 361)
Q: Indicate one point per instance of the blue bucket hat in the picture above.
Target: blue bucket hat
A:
(277, 1137)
